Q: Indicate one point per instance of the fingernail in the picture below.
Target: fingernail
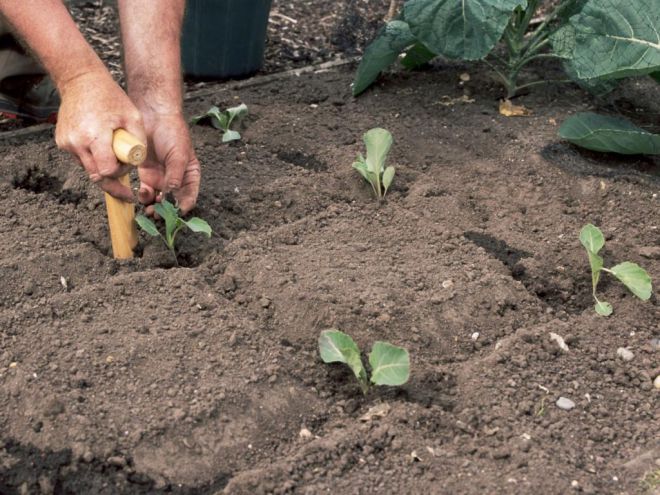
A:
(174, 186)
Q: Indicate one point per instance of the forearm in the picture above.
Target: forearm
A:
(52, 35)
(151, 32)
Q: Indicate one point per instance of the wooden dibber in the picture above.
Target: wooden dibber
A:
(121, 215)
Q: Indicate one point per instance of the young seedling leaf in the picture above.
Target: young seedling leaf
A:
(388, 176)
(147, 225)
(592, 238)
(603, 308)
(361, 167)
(230, 136)
(237, 112)
(635, 278)
(222, 120)
(596, 263)
(593, 241)
(378, 142)
(337, 347)
(196, 224)
(390, 365)
(170, 214)
(197, 118)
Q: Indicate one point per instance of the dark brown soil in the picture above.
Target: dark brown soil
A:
(135, 377)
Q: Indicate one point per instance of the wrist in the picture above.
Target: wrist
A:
(92, 77)
(158, 97)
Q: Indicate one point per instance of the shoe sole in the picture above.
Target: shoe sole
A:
(13, 109)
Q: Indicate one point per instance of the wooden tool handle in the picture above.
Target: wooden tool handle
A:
(121, 215)
(128, 149)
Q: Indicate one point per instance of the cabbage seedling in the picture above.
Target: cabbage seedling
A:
(223, 120)
(173, 225)
(390, 365)
(632, 275)
(378, 143)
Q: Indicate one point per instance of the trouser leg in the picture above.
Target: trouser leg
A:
(13, 59)
(4, 27)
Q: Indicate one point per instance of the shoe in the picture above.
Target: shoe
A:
(29, 97)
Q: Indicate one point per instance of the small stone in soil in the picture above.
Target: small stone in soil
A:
(117, 461)
(625, 354)
(651, 252)
(565, 404)
(656, 382)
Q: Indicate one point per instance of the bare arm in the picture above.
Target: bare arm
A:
(48, 29)
(93, 105)
(151, 32)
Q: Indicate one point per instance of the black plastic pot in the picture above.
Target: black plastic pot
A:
(224, 38)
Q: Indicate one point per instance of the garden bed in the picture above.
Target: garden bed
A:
(136, 377)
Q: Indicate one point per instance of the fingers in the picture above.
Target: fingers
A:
(99, 161)
(176, 163)
(146, 194)
(104, 158)
(117, 189)
(134, 124)
(110, 185)
(186, 196)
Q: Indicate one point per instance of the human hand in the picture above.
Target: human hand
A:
(92, 107)
(171, 165)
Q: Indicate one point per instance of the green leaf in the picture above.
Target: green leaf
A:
(230, 135)
(460, 29)
(147, 225)
(635, 278)
(381, 53)
(236, 112)
(197, 118)
(571, 8)
(337, 347)
(378, 142)
(617, 38)
(196, 224)
(593, 241)
(216, 117)
(563, 42)
(596, 264)
(170, 214)
(603, 308)
(416, 56)
(390, 365)
(388, 176)
(362, 168)
(220, 121)
(592, 238)
(610, 134)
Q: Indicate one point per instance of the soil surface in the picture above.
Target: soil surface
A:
(137, 377)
